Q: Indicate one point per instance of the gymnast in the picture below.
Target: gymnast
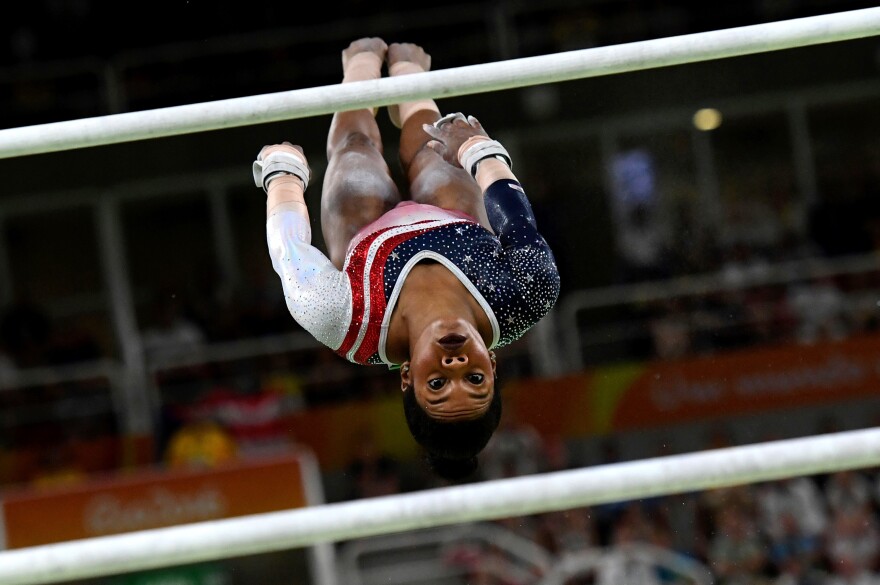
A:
(428, 283)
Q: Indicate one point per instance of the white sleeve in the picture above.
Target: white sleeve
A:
(318, 295)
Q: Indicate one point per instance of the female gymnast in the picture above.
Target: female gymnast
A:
(429, 283)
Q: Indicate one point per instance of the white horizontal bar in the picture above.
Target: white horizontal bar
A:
(440, 84)
(444, 506)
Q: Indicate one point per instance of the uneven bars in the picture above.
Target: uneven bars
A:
(488, 500)
(445, 83)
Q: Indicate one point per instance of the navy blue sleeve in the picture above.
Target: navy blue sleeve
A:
(531, 263)
(510, 214)
(511, 217)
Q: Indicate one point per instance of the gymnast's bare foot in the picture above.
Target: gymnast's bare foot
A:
(373, 45)
(399, 52)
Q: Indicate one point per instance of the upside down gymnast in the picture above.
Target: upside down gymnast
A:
(429, 282)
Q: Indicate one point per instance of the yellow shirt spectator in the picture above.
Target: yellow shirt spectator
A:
(200, 444)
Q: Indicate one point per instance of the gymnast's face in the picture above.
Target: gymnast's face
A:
(451, 371)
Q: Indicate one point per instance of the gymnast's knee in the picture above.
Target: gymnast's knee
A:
(355, 141)
(359, 190)
(435, 179)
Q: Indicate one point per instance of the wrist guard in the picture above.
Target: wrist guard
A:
(280, 162)
(481, 150)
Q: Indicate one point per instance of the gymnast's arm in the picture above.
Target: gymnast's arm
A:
(525, 250)
(463, 142)
(317, 294)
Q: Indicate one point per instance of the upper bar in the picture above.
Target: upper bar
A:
(503, 498)
(445, 83)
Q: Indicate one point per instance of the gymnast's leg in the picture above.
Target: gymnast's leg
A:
(358, 187)
(431, 179)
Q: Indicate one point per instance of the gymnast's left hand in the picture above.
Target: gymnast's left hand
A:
(450, 132)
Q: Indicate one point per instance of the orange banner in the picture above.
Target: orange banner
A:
(336, 433)
(155, 499)
(748, 382)
(652, 394)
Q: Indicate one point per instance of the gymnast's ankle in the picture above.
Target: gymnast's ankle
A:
(400, 113)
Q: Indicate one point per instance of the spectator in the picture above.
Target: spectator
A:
(795, 572)
(712, 502)
(515, 449)
(643, 245)
(568, 531)
(767, 314)
(253, 415)
(484, 564)
(557, 454)
(282, 378)
(852, 546)
(371, 472)
(798, 500)
(736, 551)
(742, 265)
(848, 489)
(819, 307)
(792, 551)
(607, 514)
(633, 527)
(200, 443)
(671, 330)
(171, 331)
(845, 576)
(59, 467)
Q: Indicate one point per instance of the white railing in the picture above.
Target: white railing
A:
(784, 273)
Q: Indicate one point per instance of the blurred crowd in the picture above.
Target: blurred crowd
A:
(811, 530)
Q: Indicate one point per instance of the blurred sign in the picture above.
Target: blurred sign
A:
(146, 500)
(657, 393)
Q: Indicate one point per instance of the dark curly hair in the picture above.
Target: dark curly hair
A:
(451, 447)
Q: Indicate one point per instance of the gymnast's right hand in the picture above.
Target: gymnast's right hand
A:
(284, 147)
(276, 160)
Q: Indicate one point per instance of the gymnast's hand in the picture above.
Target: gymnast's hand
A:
(450, 132)
(293, 149)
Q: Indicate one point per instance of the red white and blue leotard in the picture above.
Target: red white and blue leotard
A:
(512, 273)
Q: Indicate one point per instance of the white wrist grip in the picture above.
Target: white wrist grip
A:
(280, 162)
(483, 150)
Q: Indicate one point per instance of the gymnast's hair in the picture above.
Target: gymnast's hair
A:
(451, 447)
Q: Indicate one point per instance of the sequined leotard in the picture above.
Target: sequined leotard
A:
(512, 274)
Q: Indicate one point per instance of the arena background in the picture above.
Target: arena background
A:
(719, 286)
